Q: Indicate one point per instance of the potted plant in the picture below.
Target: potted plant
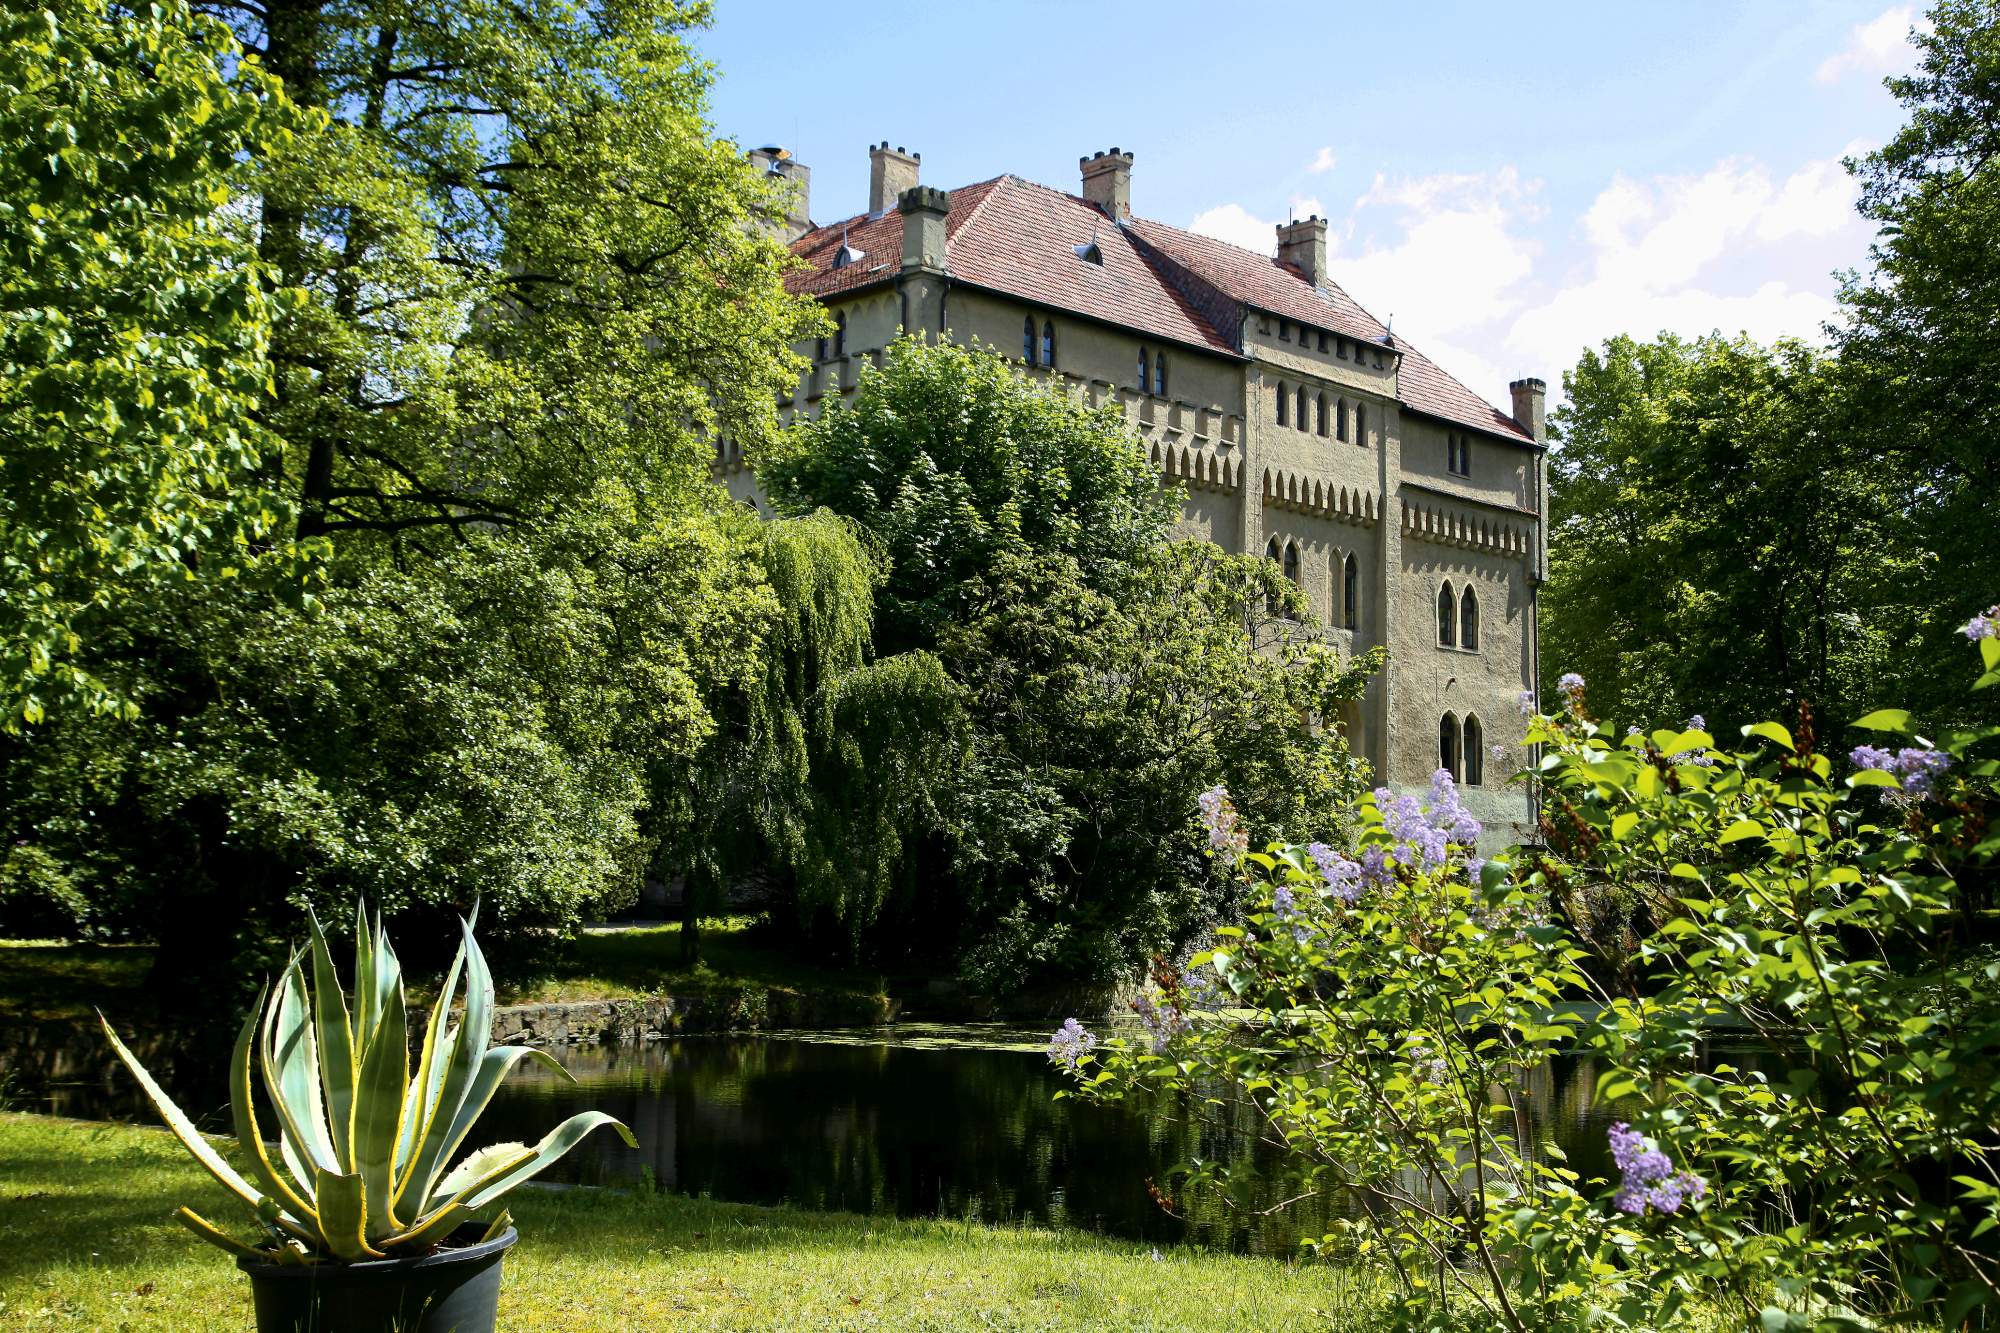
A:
(369, 1218)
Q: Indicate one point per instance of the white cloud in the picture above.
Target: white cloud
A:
(1239, 226)
(1324, 162)
(1476, 273)
(1876, 48)
(1460, 254)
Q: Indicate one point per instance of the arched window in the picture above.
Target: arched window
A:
(1360, 423)
(1447, 618)
(1340, 420)
(1292, 561)
(1475, 752)
(1305, 410)
(1144, 380)
(1468, 619)
(1285, 330)
(1284, 401)
(1448, 744)
(1322, 414)
(1028, 340)
(1048, 343)
(1271, 553)
(840, 336)
(1350, 593)
(819, 350)
(1322, 341)
(1160, 374)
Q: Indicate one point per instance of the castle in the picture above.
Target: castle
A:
(1411, 512)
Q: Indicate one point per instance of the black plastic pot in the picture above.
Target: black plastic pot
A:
(451, 1291)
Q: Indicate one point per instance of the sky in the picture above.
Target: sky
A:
(1510, 183)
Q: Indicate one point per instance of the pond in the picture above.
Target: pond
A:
(909, 1121)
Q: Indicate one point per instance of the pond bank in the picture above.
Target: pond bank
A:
(87, 1242)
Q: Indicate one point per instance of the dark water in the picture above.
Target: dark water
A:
(910, 1121)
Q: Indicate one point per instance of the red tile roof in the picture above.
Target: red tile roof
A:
(1017, 238)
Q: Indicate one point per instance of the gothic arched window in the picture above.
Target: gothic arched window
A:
(1028, 340)
(1284, 401)
(1340, 420)
(1160, 374)
(1143, 379)
(1360, 423)
(1322, 414)
(1292, 561)
(1305, 410)
(840, 336)
(1448, 744)
(1048, 343)
(1350, 593)
(1447, 618)
(1468, 619)
(1475, 752)
(1275, 556)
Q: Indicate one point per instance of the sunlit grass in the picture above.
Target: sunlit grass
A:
(86, 1242)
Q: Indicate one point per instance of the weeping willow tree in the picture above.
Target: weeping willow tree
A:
(831, 761)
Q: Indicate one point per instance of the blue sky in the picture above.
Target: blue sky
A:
(1510, 182)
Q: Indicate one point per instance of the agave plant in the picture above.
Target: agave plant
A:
(368, 1150)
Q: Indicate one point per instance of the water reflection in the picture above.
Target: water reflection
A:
(958, 1122)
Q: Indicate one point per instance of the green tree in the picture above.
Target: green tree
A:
(135, 324)
(1105, 675)
(949, 460)
(1921, 349)
(535, 292)
(1713, 550)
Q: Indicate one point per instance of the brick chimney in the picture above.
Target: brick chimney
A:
(890, 172)
(1302, 244)
(1531, 406)
(778, 165)
(923, 208)
(1107, 182)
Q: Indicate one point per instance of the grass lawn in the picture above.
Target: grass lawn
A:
(87, 1242)
(41, 979)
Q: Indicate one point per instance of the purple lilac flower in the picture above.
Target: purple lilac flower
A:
(1375, 866)
(1649, 1179)
(1917, 767)
(1343, 877)
(1499, 753)
(1871, 756)
(1697, 723)
(1472, 869)
(1571, 686)
(1920, 769)
(1426, 1066)
(1985, 625)
(1225, 828)
(1070, 1044)
(1527, 703)
(1163, 1022)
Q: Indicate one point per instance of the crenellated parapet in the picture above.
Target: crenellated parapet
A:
(1315, 496)
(1209, 469)
(1445, 526)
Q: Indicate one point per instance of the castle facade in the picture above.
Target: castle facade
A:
(1410, 511)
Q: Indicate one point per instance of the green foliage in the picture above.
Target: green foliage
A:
(951, 460)
(135, 323)
(369, 1148)
(530, 298)
(1808, 1051)
(1920, 352)
(1832, 921)
(1025, 798)
(1712, 550)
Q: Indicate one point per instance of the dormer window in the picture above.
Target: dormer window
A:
(1089, 252)
(847, 254)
